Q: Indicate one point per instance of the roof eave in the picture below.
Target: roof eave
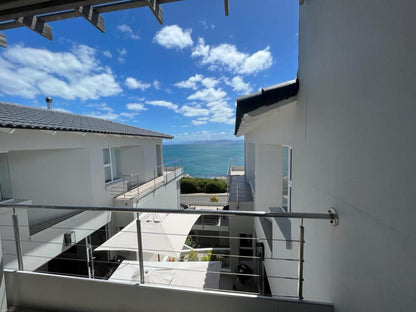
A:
(265, 97)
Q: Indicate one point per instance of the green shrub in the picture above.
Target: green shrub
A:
(191, 242)
(188, 186)
(200, 185)
(216, 186)
(193, 255)
(213, 199)
(209, 257)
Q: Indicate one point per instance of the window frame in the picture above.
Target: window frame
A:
(110, 165)
(289, 177)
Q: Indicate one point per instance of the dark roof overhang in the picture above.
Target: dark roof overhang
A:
(265, 97)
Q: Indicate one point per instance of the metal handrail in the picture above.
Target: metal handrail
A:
(117, 189)
(178, 164)
(330, 215)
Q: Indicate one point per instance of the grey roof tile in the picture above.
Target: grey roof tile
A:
(19, 116)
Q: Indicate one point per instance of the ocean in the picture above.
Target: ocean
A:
(205, 160)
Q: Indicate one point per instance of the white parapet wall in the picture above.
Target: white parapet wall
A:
(41, 291)
(203, 199)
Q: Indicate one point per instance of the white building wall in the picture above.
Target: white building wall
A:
(150, 161)
(51, 176)
(352, 131)
(70, 163)
(357, 74)
(249, 162)
(133, 161)
(164, 197)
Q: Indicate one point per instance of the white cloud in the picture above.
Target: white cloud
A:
(256, 62)
(136, 107)
(208, 95)
(78, 74)
(238, 85)
(101, 107)
(121, 55)
(221, 112)
(107, 54)
(196, 80)
(103, 111)
(198, 122)
(168, 105)
(206, 26)
(108, 116)
(132, 83)
(226, 56)
(122, 52)
(189, 111)
(130, 115)
(173, 37)
(156, 84)
(125, 29)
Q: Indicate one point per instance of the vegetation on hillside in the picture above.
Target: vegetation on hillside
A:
(191, 185)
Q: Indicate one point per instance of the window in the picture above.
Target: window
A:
(112, 164)
(287, 178)
(5, 185)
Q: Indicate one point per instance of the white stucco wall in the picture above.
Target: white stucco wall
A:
(133, 161)
(352, 131)
(69, 166)
(51, 176)
(357, 73)
(165, 196)
(66, 168)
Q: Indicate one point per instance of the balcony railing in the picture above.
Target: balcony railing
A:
(134, 187)
(247, 277)
(238, 189)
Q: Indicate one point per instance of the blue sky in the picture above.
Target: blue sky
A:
(181, 78)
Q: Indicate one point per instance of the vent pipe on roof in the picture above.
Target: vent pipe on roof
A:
(49, 102)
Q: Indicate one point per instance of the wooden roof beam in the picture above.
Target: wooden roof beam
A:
(37, 25)
(3, 41)
(156, 9)
(227, 12)
(9, 4)
(92, 16)
(120, 6)
(105, 8)
(51, 6)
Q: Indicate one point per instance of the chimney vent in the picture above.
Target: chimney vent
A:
(49, 102)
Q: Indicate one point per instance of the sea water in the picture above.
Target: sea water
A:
(205, 160)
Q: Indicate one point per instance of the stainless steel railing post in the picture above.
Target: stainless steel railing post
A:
(154, 180)
(124, 187)
(300, 263)
(19, 253)
(140, 248)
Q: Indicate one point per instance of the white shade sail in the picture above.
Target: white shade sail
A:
(198, 274)
(162, 233)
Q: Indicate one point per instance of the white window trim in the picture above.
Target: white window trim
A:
(110, 164)
(289, 178)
